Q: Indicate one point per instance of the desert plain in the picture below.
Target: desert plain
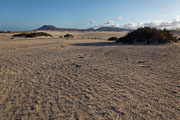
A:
(87, 78)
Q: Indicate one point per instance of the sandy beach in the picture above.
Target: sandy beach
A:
(88, 78)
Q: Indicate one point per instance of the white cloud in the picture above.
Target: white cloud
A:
(177, 18)
(130, 26)
(120, 18)
(110, 22)
(157, 24)
(92, 21)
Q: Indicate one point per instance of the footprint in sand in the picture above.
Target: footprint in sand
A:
(142, 63)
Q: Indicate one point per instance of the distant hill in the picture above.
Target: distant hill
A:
(48, 27)
(112, 29)
(91, 29)
(53, 28)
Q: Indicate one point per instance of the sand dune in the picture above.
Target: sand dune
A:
(87, 78)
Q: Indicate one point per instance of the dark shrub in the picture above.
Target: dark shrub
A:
(33, 34)
(2, 32)
(148, 35)
(113, 39)
(39, 34)
(68, 36)
(8, 32)
(5, 32)
(20, 34)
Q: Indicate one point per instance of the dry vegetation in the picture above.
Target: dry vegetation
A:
(148, 35)
(80, 79)
(113, 39)
(68, 36)
(6, 32)
(32, 34)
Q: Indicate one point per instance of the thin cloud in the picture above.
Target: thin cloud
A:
(93, 22)
(84, 23)
(120, 18)
(109, 23)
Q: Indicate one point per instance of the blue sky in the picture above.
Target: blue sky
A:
(31, 14)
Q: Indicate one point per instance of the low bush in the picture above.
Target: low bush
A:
(68, 36)
(113, 39)
(148, 35)
(32, 34)
(6, 32)
(2, 31)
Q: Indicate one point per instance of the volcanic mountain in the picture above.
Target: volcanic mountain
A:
(53, 28)
(48, 27)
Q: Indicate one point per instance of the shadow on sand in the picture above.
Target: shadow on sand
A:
(97, 44)
(113, 44)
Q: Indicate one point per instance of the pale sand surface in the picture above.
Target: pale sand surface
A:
(81, 78)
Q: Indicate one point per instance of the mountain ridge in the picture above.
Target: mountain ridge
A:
(53, 28)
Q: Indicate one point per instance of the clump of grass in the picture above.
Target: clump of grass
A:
(148, 35)
(113, 39)
(32, 34)
(6, 32)
(68, 36)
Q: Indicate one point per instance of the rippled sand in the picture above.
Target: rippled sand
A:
(88, 78)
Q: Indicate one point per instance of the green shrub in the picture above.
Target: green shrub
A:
(32, 34)
(148, 35)
(113, 39)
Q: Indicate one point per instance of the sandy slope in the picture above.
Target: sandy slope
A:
(52, 78)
